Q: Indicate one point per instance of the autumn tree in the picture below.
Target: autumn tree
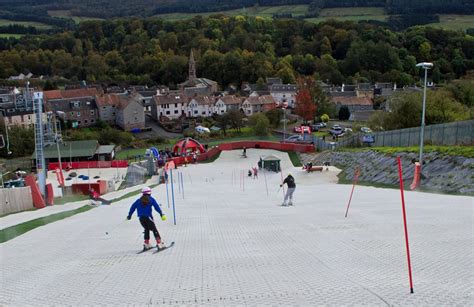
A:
(305, 104)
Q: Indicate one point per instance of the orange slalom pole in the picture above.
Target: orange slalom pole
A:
(356, 177)
(400, 174)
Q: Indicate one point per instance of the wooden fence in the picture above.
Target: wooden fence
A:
(15, 200)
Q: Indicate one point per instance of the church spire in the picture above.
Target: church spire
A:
(192, 67)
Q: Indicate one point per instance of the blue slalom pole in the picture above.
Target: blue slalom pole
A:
(182, 185)
(172, 196)
(179, 184)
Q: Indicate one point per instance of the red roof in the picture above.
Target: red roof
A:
(107, 100)
(67, 94)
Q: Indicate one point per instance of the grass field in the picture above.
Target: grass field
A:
(8, 35)
(37, 25)
(264, 11)
(448, 22)
(454, 22)
(67, 14)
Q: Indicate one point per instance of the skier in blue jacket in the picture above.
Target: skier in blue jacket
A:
(144, 205)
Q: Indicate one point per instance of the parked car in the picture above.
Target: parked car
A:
(299, 129)
(348, 130)
(201, 129)
(294, 138)
(336, 130)
(366, 130)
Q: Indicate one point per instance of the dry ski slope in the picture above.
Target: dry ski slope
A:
(235, 245)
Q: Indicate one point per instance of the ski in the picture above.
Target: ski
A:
(145, 250)
(163, 248)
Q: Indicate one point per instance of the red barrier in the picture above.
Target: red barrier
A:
(88, 164)
(38, 200)
(59, 176)
(268, 145)
(248, 144)
(49, 194)
(83, 188)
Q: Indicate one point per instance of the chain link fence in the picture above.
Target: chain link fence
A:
(455, 133)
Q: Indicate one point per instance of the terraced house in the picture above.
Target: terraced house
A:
(171, 106)
(79, 105)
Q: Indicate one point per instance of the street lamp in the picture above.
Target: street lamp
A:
(425, 66)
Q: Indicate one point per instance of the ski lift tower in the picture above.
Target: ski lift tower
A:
(39, 141)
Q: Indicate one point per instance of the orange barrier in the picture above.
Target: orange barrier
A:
(416, 178)
(88, 164)
(38, 200)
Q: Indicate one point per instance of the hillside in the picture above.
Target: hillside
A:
(143, 8)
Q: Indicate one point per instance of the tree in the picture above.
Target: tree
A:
(22, 142)
(223, 122)
(259, 123)
(344, 113)
(305, 103)
(235, 119)
(274, 116)
(324, 118)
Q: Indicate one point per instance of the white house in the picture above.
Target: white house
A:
(200, 106)
(252, 105)
(227, 103)
(284, 93)
(171, 106)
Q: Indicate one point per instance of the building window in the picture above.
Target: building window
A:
(92, 121)
(203, 112)
(167, 112)
(72, 113)
(86, 121)
(176, 111)
(78, 114)
(92, 112)
(195, 111)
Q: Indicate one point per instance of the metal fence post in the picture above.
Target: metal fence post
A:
(456, 137)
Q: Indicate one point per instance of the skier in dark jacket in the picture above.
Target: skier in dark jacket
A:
(290, 182)
(144, 205)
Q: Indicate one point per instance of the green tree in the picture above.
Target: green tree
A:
(324, 118)
(274, 116)
(236, 119)
(344, 113)
(223, 122)
(259, 123)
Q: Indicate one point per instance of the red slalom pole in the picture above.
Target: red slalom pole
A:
(356, 176)
(400, 174)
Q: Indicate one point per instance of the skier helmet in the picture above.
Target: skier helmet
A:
(146, 190)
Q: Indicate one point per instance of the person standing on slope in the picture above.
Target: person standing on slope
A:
(144, 205)
(290, 182)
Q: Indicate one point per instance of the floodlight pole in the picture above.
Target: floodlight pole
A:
(425, 66)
